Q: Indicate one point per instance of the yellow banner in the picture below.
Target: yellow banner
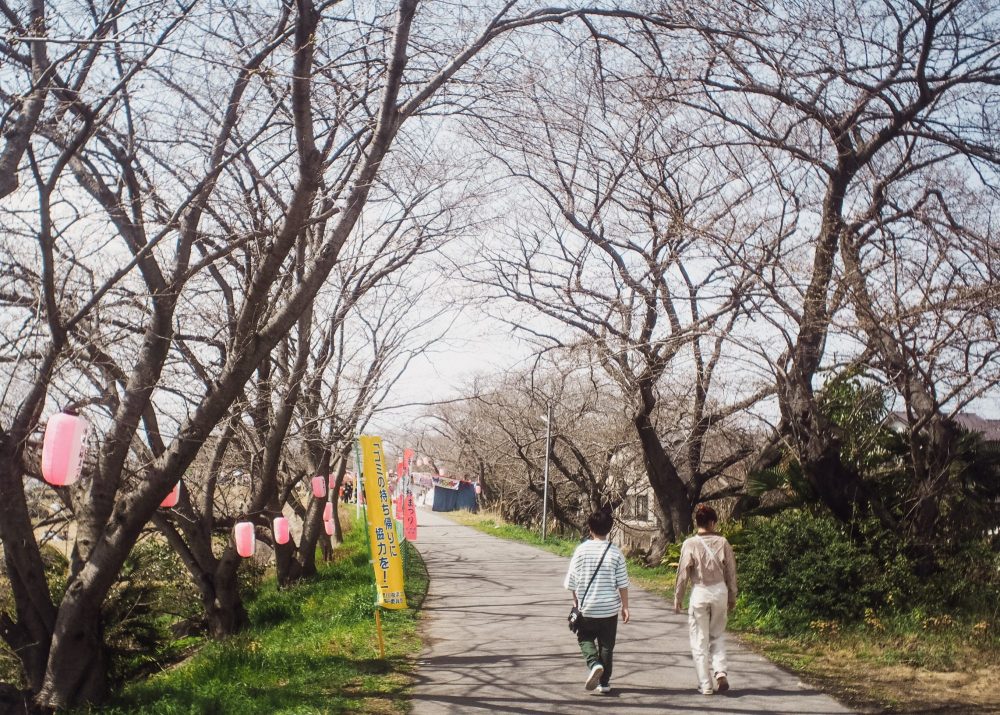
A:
(386, 557)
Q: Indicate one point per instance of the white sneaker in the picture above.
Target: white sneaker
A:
(595, 677)
(705, 691)
(604, 689)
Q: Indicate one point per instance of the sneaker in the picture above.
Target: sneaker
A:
(603, 689)
(705, 691)
(722, 683)
(595, 677)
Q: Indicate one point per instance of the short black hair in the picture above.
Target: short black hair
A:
(600, 522)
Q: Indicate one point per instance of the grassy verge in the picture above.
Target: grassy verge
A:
(660, 579)
(897, 665)
(908, 664)
(311, 648)
(494, 526)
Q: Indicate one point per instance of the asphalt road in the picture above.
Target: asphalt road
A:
(497, 642)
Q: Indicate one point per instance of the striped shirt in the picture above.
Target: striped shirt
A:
(603, 599)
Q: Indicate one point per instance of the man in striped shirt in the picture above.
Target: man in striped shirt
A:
(600, 601)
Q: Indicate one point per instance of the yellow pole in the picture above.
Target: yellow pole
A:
(378, 627)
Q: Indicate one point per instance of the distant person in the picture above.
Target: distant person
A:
(347, 492)
(599, 582)
(707, 563)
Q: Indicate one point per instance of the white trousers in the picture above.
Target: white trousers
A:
(708, 612)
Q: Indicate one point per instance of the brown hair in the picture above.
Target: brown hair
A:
(705, 515)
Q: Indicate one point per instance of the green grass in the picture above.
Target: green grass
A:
(311, 648)
(659, 578)
(494, 526)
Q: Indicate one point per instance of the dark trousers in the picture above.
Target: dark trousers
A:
(597, 643)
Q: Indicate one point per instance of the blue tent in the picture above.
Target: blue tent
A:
(454, 499)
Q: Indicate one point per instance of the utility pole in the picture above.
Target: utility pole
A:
(545, 489)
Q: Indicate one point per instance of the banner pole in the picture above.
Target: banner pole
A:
(378, 627)
(402, 497)
(357, 480)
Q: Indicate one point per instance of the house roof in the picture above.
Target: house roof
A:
(988, 428)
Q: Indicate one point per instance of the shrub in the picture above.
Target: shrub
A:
(152, 592)
(798, 568)
(967, 580)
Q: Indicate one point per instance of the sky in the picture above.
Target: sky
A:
(475, 345)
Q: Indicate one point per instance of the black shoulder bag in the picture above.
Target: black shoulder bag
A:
(575, 618)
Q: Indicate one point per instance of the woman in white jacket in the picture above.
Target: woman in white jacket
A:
(707, 563)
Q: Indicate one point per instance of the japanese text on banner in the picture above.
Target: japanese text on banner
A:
(409, 518)
(386, 557)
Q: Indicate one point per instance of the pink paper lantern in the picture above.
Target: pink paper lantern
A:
(245, 539)
(328, 526)
(328, 511)
(280, 530)
(479, 490)
(63, 449)
(173, 497)
(319, 487)
(332, 481)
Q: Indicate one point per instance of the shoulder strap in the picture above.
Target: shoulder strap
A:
(711, 554)
(594, 575)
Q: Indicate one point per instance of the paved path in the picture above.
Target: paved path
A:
(498, 642)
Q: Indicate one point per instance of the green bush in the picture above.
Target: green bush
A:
(967, 580)
(798, 568)
(152, 592)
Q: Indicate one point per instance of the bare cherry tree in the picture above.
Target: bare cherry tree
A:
(933, 336)
(498, 435)
(857, 107)
(159, 171)
(642, 253)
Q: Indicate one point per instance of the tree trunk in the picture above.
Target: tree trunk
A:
(77, 664)
(338, 531)
(30, 636)
(934, 439)
(668, 488)
(817, 445)
(658, 542)
(289, 570)
(657, 550)
(326, 549)
(224, 613)
(931, 451)
(216, 579)
(312, 526)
